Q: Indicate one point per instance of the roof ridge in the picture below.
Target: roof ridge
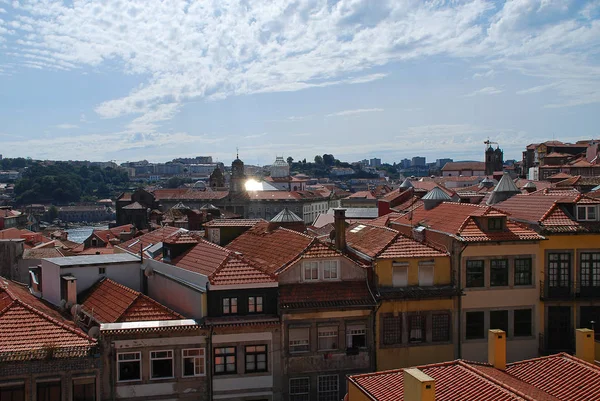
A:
(292, 231)
(499, 383)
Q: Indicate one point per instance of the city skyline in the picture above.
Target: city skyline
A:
(392, 80)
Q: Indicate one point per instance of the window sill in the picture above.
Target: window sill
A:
(129, 381)
(419, 344)
(161, 378)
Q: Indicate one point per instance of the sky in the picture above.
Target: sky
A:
(146, 79)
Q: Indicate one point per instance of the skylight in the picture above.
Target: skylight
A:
(357, 228)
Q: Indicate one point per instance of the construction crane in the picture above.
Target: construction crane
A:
(489, 143)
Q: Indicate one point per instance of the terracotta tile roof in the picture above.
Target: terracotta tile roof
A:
(404, 247)
(183, 237)
(417, 292)
(453, 166)
(235, 270)
(148, 239)
(110, 302)
(382, 221)
(96, 251)
(188, 194)
(204, 258)
(233, 222)
(29, 328)
(285, 195)
(270, 250)
(362, 195)
(369, 240)
(42, 253)
(458, 219)
(241, 321)
(325, 295)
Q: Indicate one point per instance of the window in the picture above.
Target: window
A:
(327, 387)
(400, 275)
(498, 272)
(225, 360)
(586, 213)
(475, 273)
(495, 224)
(416, 328)
(426, 274)
(161, 364)
(499, 320)
(392, 330)
(328, 338)
(590, 269)
(311, 271)
(440, 327)
(83, 389)
(356, 336)
(229, 306)
(300, 389)
(12, 393)
(255, 304)
(475, 325)
(522, 322)
(130, 366)
(330, 270)
(256, 358)
(559, 269)
(193, 362)
(523, 271)
(102, 270)
(48, 391)
(299, 339)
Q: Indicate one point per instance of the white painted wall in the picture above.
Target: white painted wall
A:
(51, 282)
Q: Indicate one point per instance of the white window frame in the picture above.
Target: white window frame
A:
(323, 332)
(153, 358)
(138, 360)
(422, 267)
(310, 265)
(297, 343)
(255, 304)
(327, 394)
(352, 330)
(199, 360)
(585, 216)
(328, 265)
(400, 267)
(300, 395)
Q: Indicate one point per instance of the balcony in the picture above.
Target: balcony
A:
(570, 292)
(587, 292)
(419, 292)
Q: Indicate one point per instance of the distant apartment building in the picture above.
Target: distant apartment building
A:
(9, 175)
(405, 163)
(455, 169)
(85, 213)
(418, 161)
(440, 163)
(194, 160)
(375, 162)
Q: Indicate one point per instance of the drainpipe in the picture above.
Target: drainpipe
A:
(113, 361)
(459, 306)
(210, 365)
(378, 305)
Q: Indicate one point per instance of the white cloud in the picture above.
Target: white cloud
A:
(353, 112)
(537, 89)
(254, 136)
(488, 90)
(487, 74)
(67, 126)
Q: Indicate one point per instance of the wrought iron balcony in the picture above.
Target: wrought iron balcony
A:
(555, 292)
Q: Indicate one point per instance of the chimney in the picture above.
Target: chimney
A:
(584, 345)
(70, 289)
(340, 228)
(418, 386)
(497, 348)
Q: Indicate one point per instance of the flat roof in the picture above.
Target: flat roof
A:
(82, 260)
(147, 325)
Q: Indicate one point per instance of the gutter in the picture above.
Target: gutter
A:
(378, 305)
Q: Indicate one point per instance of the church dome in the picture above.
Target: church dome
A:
(280, 168)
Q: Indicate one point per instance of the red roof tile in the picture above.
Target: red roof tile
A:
(29, 328)
(367, 239)
(235, 270)
(233, 222)
(111, 302)
(404, 247)
(153, 237)
(270, 250)
(453, 166)
(362, 195)
(332, 294)
(204, 258)
(188, 194)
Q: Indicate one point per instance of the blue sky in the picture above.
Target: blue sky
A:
(144, 79)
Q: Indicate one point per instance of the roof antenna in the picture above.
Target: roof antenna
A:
(237, 152)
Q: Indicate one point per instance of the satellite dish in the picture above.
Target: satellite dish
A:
(94, 332)
(148, 271)
(75, 310)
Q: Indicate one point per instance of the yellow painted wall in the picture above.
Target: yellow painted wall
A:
(441, 271)
(354, 394)
(598, 350)
(407, 356)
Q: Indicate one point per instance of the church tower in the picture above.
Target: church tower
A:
(238, 178)
(489, 161)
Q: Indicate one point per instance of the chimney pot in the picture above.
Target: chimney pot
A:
(497, 348)
(584, 345)
(340, 228)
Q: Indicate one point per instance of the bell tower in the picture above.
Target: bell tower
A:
(238, 177)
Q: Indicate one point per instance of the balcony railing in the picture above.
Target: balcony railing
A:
(555, 293)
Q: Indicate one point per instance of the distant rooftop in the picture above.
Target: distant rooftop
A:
(89, 260)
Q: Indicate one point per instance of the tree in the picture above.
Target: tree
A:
(290, 160)
(52, 213)
(318, 159)
(329, 160)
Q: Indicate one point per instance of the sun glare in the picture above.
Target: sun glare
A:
(253, 185)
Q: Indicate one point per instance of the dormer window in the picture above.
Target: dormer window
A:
(495, 224)
(587, 213)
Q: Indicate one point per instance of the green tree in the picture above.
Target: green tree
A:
(52, 213)
(329, 160)
(290, 160)
(318, 159)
